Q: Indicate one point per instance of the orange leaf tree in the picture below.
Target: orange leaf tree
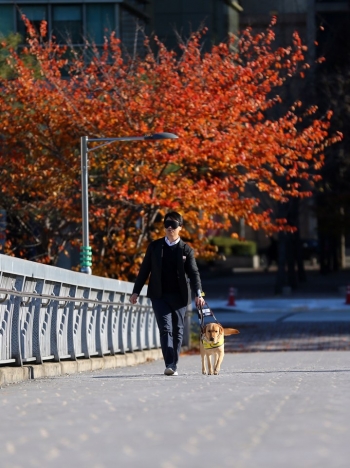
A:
(221, 104)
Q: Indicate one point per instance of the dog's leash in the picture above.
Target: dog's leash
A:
(204, 311)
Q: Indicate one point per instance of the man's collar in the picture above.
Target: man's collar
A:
(172, 243)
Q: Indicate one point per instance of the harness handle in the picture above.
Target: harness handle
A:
(205, 311)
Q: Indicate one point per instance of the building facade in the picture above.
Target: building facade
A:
(77, 20)
(170, 19)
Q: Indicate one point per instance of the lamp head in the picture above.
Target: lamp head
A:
(162, 136)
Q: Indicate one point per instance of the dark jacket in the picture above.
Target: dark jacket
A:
(187, 271)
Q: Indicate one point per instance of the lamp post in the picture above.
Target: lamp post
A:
(85, 254)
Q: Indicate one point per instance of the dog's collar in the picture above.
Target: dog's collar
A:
(210, 344)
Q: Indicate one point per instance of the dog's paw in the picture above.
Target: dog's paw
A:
(204, 373)
(216, 372)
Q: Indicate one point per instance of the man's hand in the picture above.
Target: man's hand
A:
(133, 298)
(199, 301)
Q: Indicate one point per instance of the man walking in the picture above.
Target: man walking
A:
(171, 267)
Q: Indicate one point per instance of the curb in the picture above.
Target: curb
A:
(10, 375)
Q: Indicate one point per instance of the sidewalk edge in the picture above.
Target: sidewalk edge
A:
(11, 375)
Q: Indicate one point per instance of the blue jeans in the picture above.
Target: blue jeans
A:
(171, 328)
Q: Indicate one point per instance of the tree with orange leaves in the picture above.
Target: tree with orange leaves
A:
(223, 105)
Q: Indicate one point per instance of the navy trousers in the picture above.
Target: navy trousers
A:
(170, 322)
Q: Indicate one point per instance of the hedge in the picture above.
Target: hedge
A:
(229, 246)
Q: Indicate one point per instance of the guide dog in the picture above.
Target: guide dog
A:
(212, 345)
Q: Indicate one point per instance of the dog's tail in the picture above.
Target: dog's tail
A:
(230, 331)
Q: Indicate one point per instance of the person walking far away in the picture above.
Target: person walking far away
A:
(171, 267)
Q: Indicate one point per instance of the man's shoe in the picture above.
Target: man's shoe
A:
(170, 371)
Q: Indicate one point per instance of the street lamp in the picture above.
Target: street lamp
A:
(85, 254)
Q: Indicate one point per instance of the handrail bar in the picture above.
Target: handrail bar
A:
(64, 298)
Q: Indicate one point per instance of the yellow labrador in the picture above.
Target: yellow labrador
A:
(212, 345)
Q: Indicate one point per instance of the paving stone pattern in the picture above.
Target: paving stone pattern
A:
(290, 336)
(265, 410)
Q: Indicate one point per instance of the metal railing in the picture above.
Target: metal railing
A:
(47, 313)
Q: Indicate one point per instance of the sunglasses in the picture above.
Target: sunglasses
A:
(171, 223)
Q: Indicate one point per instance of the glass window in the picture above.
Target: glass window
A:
(35, 14)
(99, 21)
(6, 20)
(67, 23)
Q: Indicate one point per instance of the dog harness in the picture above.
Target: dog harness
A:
(207, 312)
(210, 344)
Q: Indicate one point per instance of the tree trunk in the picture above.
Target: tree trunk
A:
(281, 271)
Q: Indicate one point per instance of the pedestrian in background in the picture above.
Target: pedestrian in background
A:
(170, 265)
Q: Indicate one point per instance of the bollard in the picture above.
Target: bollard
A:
(231, 297)
(347, 297)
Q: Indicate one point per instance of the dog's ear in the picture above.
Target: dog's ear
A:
(221, 329)
(230, 331)
(205, 328)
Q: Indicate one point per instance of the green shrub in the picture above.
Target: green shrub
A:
(229, 246)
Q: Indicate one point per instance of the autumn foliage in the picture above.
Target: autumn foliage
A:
(223, 105)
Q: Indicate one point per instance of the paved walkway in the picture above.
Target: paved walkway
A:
(293, 336)
(266, 410)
